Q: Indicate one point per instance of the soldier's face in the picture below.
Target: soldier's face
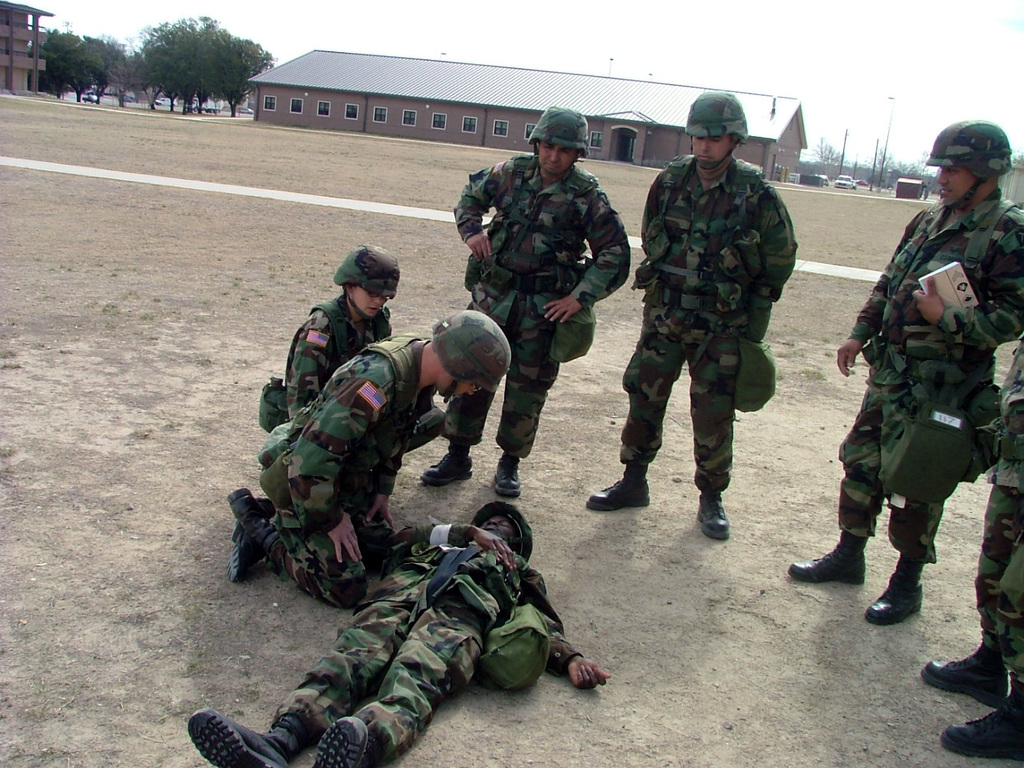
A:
(555, 161)
(500, 526)
(369, 303)
(954, 183)
(712, 150)
(451, 388)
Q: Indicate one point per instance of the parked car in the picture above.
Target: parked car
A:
(844, 182)
(90, 98)
(862, 184)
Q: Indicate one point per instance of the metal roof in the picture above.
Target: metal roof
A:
(514, 88)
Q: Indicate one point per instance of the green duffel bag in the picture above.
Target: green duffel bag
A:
(929, 454)
(273, 404)
(755, 379)
(575, 336)
(515, 653)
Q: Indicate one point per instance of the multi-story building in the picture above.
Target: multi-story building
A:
(20, 39)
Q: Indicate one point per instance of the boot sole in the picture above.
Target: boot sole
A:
(343, 745)
(965, 749)
(219, 744)
(887, 619)
(988, 698)
(439, 482)
(857, 580)
(604, 507)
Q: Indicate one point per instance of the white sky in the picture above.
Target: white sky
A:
(940, 60)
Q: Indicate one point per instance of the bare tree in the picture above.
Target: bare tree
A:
(826, 154)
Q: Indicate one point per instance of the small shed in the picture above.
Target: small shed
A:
(910, 189)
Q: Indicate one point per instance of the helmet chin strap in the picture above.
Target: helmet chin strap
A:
(355, 307)
(962, 203)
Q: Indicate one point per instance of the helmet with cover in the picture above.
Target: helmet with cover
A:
(980, 147)
(521, 543)
(471, 347)
(564, 127)
(372, 269)
(717, 113)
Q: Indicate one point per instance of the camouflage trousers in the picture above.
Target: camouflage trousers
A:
(1002, 622)
(667, 341)
(398, 666)
(913, 527)
(308, 558)
(530, 376)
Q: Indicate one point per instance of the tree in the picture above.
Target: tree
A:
(70, 64)
(128, 76)
(108, 53)
(235, 61)
(1018, 160)
(826, 154)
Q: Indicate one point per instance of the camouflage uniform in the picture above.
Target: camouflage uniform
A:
(902, 347)
(717, 259)
(340, 452)
(539, 235)
(407, 662)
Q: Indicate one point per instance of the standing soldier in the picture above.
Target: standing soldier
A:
(334, 332)
(922, 351)
(331, 470)
(720, 247)
(1000, 594)
(529, 272)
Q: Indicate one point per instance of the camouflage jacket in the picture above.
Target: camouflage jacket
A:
(537, 228)
(482, 582)
(720, 246)
(1009, 469)
(352, 438)
(320, 346)
(965, 337)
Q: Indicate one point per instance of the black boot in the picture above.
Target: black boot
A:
(845, 563)
(998, 734)
(227, 744)
(344, 745)
(244, 554)
(903, 595)
(711, 516)
(981, 675)
(506, 476)
(630, 491)
(456, 465)
(257, 536)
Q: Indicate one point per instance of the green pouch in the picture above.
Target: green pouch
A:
(516, 653)
(474, 272)
(755, 379)
(273, 404)
(1012, 583)
(983, 411)
(929, 453)
(274, 482)
(574, 337)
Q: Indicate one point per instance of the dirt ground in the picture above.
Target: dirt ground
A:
(137, 325)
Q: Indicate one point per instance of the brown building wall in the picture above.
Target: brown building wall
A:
(17, 33)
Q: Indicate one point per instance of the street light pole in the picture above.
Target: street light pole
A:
(885, 149)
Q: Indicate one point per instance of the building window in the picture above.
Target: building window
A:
(296, 108)
(408, 117)
(270, 103)
(529, 130)
(596, 139)
(469, 125)
(501, 127)
(380, 114)
(440, 121)
(323, 108)
(351, 111)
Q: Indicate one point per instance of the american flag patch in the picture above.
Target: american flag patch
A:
(318, 338)
(372, 395)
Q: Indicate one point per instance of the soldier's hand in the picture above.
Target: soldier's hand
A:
(846, 355)
(584, 673)
(344, 537)
(929, 303)
(380, 506)
(480, 245)
(562, 309)
(489, 542)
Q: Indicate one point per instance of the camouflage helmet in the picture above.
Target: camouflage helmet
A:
(716, 113)
(372, 269)
(564, 127)
(521, 544)
(980, 147)
(471, 347)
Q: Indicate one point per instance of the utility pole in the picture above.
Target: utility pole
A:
(842, 157)
(885, 150)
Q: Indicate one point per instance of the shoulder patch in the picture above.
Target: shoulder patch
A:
(373, 396)
(317, 337)
(498, 166)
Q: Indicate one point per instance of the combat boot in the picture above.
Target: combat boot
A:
(711, 516)
(998, 734)
(630, 491)
(244, 554)
(456, 465)
(903, 595)
(227, 744)
(257, 537)
(345, 745)
(506, 476)
(845, 563)
(981, 675)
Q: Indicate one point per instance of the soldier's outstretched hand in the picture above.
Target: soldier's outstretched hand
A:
(380, 507)
(846, 355)
(584, 673)
(344, 537)
(480, 245)
(562, 309)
